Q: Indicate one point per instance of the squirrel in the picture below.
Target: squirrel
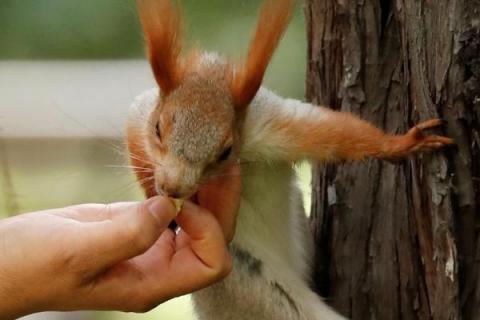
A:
(208, 113)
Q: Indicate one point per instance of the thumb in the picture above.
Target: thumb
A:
(129, 230)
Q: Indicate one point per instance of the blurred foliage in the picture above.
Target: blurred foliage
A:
(106, 29)
(109, 29)
(73, 170)
(68, 29)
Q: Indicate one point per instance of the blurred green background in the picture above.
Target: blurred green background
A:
(39, 172)
(109, 29)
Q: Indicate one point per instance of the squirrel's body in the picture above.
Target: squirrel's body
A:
(208, 114)
(271, 256)
(272, 248)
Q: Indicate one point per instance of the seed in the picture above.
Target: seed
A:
(178, 203)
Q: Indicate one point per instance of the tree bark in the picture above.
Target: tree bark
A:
(399, 241)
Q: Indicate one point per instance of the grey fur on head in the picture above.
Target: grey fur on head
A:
(202, 121)
(201, 140)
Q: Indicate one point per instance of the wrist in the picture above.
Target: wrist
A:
(389, 147)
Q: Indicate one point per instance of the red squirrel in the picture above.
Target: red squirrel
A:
(208, 113)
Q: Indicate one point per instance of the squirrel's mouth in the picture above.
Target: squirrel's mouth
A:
(178, 203)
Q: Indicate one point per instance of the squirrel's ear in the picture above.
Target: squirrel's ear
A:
(162, 27)
(272, 23)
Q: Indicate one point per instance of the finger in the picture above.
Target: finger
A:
(207, 241)
(164, 270)
(88, 212)
(137, 284)
(221, 196)
(158, 255)
(131, 229)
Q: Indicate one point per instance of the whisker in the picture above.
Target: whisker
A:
(131, 168)
(130, 185)
(142, 159)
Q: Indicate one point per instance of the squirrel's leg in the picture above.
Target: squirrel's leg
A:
(288, 130)
(342, 136)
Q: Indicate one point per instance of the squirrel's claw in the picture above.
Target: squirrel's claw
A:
(415, 140)
(418, 141)
(432, 123)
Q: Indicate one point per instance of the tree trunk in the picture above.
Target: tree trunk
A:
(399, 241)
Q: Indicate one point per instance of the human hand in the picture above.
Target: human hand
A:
(114, 257)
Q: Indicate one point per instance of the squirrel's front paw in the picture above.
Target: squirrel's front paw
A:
(415, 140)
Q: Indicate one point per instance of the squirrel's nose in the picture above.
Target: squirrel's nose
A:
(170, 192)
(174, 195)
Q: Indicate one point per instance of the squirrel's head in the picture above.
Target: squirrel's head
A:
(193, 136)
(195, 130)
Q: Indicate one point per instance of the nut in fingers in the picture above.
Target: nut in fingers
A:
(178, 203)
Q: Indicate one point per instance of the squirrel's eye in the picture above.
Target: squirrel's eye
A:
(157, 130)
(225, 154)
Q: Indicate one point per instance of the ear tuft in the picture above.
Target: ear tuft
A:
(162, 27)
(273, 21)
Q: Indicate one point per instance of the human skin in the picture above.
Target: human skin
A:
(119, 256)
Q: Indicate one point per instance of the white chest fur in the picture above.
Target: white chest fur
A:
(271, 248)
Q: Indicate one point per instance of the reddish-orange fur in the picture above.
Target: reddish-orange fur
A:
(342, 136)
(273, 21)
(162, 26)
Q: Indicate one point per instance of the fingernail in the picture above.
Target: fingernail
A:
(161, 209)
